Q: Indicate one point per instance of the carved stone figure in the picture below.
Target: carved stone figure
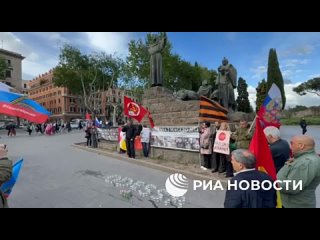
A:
(156, 71)
(186, 95)
(205, 90)
(227, 82)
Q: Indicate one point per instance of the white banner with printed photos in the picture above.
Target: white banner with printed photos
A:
(110, 134)
(181, 138)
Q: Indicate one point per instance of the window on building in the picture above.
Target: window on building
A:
(59, 100)
(25, 85)
(9, 62)
(8, 74)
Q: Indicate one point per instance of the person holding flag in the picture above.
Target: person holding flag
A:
(5, 173)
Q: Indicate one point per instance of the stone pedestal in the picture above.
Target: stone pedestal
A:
(166, 110)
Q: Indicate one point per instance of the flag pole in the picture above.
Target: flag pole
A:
(253, 124)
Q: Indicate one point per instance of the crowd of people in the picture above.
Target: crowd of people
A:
(219, 162)
(294, 161)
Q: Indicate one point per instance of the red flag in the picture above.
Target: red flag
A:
(88, 116)
(260, 148)
(134, 110)
(264, 162)
(151, 120)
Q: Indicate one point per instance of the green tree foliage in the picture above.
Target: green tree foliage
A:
(87, 75)
(311, 86)
(3, 68)
(261, 93)
(177, 73)
(243, 96)
(274, 74)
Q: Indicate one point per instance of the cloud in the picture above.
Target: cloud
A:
(287, 73)
(35, 63)
(299, 50)
(287, 81)
(295, 62)
(314, 76)
(231, 36)
(259, 72)
(293, 98)
(110, 42)
(12, 43)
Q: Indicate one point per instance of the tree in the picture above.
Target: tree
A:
(243, 96)
(311, 86)
(3, 68)
(177, 73)
(261, 93)
(274, 75)
(87, 75)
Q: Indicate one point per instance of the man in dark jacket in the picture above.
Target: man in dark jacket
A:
(280, 148)
(303, 125)
(131, 133)
(5, 173)
(240, 192)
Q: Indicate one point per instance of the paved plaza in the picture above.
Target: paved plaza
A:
(55, 174)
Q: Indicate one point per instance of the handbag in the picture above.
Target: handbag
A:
(205, 146)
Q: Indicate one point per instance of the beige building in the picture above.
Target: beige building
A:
(25, 86)
(13, 76)
(56, 100)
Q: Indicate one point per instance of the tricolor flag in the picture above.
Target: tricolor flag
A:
(133, 109)
(264, 162)
(211, 111)
(269, 113)
(97, 123)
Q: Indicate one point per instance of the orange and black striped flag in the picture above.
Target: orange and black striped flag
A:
(211, 111)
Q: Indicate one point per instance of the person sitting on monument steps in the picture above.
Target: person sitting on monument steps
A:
(206, 145)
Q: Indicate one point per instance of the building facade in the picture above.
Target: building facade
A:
(112, 104)
(25, 87)
(13, 75)
(57, 100)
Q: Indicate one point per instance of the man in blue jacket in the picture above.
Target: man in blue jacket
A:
(241, 195)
